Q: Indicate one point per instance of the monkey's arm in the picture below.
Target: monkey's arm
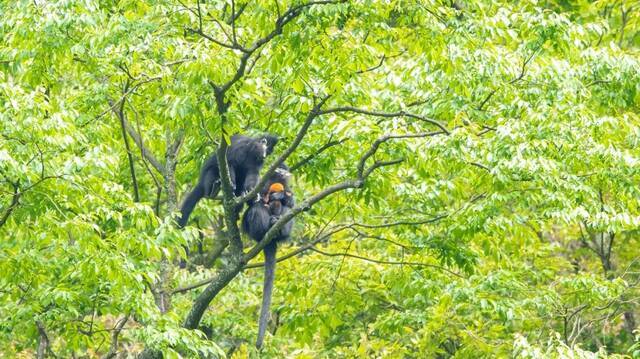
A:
(285, 231)
(288, 201)
(251, 180)
(210, 183)
(232, 175)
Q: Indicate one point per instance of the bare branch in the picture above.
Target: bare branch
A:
(215, 41)
(416, 264)
(115, 103)
(323, 148)
(146, 153)
(283, 20)
(376, 144)
(386, 115)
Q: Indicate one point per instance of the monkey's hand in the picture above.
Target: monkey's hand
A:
(273, 220)
(255, 200)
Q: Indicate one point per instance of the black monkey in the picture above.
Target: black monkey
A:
(245, 157)
(276, 200)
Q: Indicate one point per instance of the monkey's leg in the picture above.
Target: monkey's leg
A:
(232, 176)
(250, 181)
(267, 291)
(210, 182)
(285, 231)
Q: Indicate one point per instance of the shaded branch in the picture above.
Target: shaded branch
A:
(120, 115)
(523, 70)
(43, 341)
(15, 200)
(113, 349)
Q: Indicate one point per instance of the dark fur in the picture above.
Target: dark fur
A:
(245, 157)
(257, 220)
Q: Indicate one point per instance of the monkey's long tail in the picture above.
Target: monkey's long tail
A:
(189, 204)
(267, 291)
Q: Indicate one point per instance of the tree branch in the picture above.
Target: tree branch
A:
(115, 103)
(17, 194)
(316, 240)
(416, 264)
(120, 115)
(113, 349)
(43, 342)
(15, 200)
(386, 115)
(216, 41)
(323, 148)
(523, 71)
(311, 116)
(376, 144)
(283, 20)
(146, 153)
(215, 286)
(362, 175)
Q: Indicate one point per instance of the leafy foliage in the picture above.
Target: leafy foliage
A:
(469, 169)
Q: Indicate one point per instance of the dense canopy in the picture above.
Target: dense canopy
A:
(466, 175)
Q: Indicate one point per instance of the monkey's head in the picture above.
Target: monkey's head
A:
(270, 141)
(282, 174)
(276, 187)
(276, 192)
(264, 145)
